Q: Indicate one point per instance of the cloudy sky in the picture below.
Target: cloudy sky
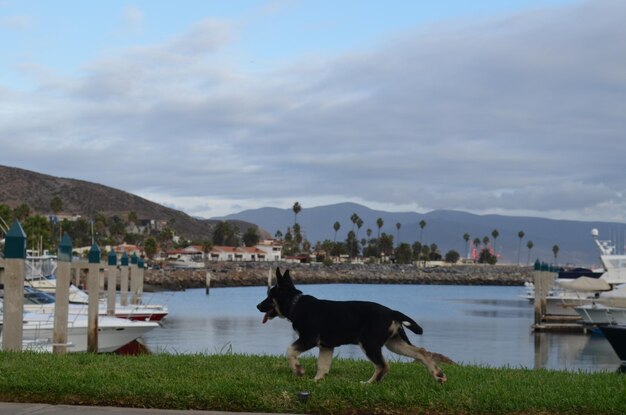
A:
(212, 107)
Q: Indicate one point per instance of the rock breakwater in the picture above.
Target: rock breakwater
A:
(242, 274)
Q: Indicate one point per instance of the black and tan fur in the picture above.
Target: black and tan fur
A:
(329, 324)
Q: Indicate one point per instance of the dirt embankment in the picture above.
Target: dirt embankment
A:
(240, 274)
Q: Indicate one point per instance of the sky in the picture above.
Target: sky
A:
(213, 107)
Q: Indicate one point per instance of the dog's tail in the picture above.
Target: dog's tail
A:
(407, 322)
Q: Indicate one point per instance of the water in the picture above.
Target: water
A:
(481, 325)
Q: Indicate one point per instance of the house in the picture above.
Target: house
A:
(273, 249)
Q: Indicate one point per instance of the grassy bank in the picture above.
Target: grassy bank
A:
(264, 384)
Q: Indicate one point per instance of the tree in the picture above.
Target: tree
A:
(296, 209)
(434, 254)
(466, 238)
(359, 224)
(398, 226)
(251, 237)
(21, 212)
(132, 217)
(56, 204)
(354, 218)
(452, 257)
(336, 227)
(486, 257)
(150, 247)
(422, 226)
(353, 244)
(495, 235)
(385, 244)
(278, 235)
(520, 235)
(555, 251)
(38, 232)
(529, 245)
(417, 250)
(379, 224)
(403, 253)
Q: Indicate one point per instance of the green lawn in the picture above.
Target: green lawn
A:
(265, 384)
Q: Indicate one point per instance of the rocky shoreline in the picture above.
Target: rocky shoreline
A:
(243, 274)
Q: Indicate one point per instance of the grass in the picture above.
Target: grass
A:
(265, 384)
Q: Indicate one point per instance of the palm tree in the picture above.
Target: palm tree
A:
(495, 235)
(398, 226)
(530, 245)
(359, 223)
(555, 251)
(520, 235)
(466, 238)
(422, 226)
(296, 209)
(353, 219)
(379, 223)
(336, 227)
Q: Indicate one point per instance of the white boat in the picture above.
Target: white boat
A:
(43, 303)
(40, 275)
(113, 332)
(567, 294)
(185, 262)
(598, 314)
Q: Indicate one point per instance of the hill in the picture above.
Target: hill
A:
(446, 228)
(86, 199)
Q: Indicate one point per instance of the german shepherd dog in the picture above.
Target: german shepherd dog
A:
(328, 324)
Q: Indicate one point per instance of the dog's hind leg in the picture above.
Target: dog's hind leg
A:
(375, 355)
(397, 345)
(293, 351)
(323, 362)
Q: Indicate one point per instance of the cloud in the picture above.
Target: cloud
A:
(522, 113)
(133, 19)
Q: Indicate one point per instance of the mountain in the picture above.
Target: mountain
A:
(84, 198)
(446, 229)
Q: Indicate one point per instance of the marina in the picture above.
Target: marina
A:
(478, 325)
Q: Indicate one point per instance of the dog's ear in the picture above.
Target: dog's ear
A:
(286, 281)
(279, 276)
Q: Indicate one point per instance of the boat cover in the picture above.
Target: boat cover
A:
(614, 298)
(586, 284)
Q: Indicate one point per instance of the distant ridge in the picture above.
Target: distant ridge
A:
(86, 199)
(446, 229)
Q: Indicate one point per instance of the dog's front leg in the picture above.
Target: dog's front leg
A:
(323, 362)
(293, 351)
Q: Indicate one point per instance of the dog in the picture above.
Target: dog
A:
(329, 324)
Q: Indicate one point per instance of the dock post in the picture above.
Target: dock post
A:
(62, 295)
(93, 306)
(111, 278)
(14, 258)
(133, 278)
(141, 268)
(541, 291)
(208, 283)
(124, 280)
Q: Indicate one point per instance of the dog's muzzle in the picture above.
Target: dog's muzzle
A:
(267, 307)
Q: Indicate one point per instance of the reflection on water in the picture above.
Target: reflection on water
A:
(474, 325)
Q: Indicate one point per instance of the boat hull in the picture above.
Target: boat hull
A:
(616, 335)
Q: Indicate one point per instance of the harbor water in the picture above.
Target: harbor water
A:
(478, 325)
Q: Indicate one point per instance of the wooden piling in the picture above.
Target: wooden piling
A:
(141, 269)
(13, 278)
(93, 303)
(111, 277)
(134, 271)
(208, 283)
(124, 280)
(62, 296)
